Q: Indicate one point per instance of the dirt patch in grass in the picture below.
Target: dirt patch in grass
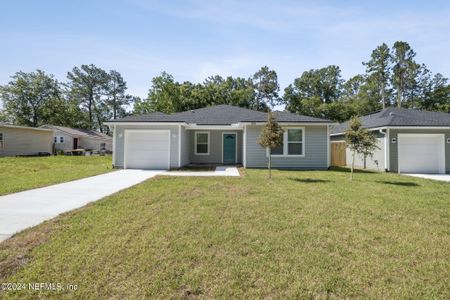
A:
(15, 252)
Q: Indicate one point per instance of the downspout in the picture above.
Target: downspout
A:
(386, 150)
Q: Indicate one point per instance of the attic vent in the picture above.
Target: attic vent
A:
(192, 111)
(391, 113)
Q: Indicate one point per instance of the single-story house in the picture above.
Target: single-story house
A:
(410, 141)
(68, 139)
(22, 140)
(221, 134)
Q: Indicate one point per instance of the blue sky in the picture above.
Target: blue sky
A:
(194, 39)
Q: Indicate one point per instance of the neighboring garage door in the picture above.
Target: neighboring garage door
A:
(421, 153)
(147, 149)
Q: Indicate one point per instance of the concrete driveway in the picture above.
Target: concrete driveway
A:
(439, 177)
(25, 209)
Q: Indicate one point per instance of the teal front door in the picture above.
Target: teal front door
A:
(229, 148)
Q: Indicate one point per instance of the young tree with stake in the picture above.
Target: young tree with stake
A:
(271, 137)
(359, 140)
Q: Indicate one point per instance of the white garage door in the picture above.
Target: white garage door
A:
(421, 153)
(147, 149)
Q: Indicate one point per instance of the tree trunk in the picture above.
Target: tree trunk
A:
(365, 159)
(270, 164)
(383, 100)
(400, 94)
(353, 165)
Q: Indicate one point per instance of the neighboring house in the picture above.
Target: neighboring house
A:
(21, 140)
(221, 134)
(410, 141)
(67, 139)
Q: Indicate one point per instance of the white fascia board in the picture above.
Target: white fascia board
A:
(291, 123)
(419, 127)
(214, 127)
(144, 123)
(370, 129)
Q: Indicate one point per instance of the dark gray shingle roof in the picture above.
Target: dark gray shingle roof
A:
(393, 116)
(219, 115)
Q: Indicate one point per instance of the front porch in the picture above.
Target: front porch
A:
(213, 147)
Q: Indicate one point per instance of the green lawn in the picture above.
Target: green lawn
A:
(302, 235)
(24, 173)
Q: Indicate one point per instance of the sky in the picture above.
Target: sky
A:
(195, 39)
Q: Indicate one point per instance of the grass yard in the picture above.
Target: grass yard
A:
(24, 173)
(311, 234)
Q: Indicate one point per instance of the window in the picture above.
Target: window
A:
(278, 150)
(202, 143)
(61, 139)
(295, 141)
(292, 145)
(102, 146)
(55, 139)
(1, 141)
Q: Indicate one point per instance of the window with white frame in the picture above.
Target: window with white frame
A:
(55, 139)
(293, 143)
(1, 141)
(202, 143)
(61, 139)
(102, 146)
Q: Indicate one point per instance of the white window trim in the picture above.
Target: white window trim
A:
(285, 144)
(195, 144)
(61, 140)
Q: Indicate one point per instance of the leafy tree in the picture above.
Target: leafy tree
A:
(359, 140)
(27, 98)
(164, 94)
(314, 92)
(271, 137)
(378, 69)
(437, 94)
(266, 88)
(403, 59)
(88, 85)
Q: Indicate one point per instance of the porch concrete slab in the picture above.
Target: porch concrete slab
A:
(19, 211)
(220, 171)
(439, 177)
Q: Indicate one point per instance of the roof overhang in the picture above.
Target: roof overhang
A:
(292, 123)
(236, 126)
(399, 127)
(142, 123)
(25, 127)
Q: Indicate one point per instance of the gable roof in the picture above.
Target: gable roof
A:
(23, 127)
(398, 117)
(219, 115)
(78, 132)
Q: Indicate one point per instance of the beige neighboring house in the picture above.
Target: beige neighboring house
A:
(22, 140)
(67, 139)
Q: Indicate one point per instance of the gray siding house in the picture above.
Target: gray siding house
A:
(217, 135)
(21, 140)
(410, 141)
(68, 139)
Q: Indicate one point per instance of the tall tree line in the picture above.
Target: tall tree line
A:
(258, 92)
(88, 98)
(392, 78)
(91, 95)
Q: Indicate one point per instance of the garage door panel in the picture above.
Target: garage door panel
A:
(421, 153)
(147, 149)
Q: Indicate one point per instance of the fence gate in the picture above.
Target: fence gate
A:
(338, 154)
